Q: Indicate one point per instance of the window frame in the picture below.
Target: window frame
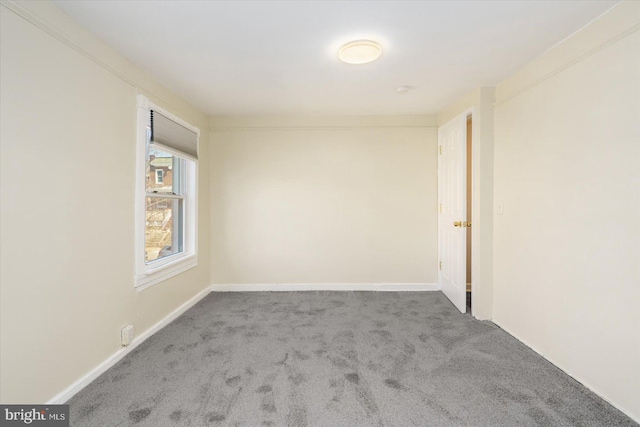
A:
(157, 271)
(159, 176)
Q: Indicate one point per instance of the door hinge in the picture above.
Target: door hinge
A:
(440, 265)
(440, 149)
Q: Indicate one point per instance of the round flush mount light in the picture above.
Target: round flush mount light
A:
(359, 52)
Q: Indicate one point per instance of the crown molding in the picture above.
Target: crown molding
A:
(619, 22)
(224, 123)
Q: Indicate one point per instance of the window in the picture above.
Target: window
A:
(166, 195)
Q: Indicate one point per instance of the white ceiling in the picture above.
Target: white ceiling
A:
(279, 57)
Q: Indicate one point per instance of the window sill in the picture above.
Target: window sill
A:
(164, 272)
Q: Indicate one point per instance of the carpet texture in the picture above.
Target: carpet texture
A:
(335, 359)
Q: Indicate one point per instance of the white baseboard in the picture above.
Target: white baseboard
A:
(625, 411)
(288, 287)
(74, 388)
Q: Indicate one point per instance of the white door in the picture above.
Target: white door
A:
(452, 221)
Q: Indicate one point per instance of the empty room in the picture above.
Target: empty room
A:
(320, 213)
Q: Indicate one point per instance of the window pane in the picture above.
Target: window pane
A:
(163, 229)
(163, 172)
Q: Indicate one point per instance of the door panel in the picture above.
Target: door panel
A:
(452, 187)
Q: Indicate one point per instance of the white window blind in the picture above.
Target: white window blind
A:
(172, 137)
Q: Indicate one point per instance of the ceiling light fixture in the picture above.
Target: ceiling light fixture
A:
(359, 52)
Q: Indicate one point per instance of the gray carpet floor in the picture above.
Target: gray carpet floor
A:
(335, 359)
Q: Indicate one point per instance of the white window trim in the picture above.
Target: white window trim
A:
(147, 275)
(161, 174)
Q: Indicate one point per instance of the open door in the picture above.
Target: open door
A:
(452, 221)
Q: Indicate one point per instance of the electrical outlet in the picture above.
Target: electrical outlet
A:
(126, 334)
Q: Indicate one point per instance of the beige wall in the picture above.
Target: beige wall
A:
(479, 103)
(67, 212)
(567, 247)
(333, 200)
